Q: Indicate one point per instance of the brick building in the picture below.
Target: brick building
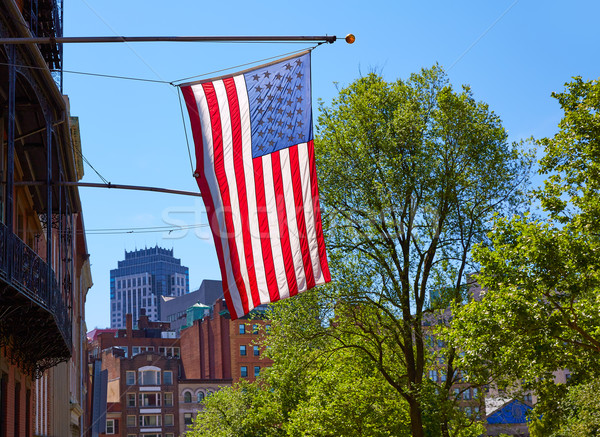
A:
(212, 353)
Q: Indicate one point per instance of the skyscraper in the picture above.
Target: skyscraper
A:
(139, 281)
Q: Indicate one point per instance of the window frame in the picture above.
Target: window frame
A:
(129, 373)
(111, 426)
(243, 371)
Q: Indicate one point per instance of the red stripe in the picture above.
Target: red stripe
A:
(288, 259)
(263, 228)
(219, 164)
(238, 162)
(190, 101)
(299, 206)
(317, 211)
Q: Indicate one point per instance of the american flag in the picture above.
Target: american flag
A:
(256, 171)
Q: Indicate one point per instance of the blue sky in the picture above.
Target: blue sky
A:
(512, 53)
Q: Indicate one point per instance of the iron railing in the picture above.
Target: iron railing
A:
(25, 271)
(45, 19)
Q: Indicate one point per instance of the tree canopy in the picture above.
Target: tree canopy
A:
(541, 273)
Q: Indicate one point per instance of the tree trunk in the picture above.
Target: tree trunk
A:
(416, 419)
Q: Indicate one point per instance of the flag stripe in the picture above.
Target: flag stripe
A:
(240, 202)
(309, 213)
(296, 176)
(226, 228)
(317, 211)
(196, 102)
(288, 259)
(264, 233)
(251, 191)
(273, 226)
(293, 228)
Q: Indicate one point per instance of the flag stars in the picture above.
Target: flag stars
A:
(256, 77)
(298, 62)
(299, 75)
(289, 103)
(288, 66)
(299, 99)
(267, 74)
(258, 89)
(278, 76)
(268, 85)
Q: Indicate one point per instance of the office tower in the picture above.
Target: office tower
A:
(141, 279)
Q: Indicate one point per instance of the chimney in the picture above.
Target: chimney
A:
(129, 325)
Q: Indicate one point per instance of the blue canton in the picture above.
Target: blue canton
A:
(280, 105)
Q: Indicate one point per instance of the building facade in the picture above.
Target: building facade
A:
(175, 309)
(44, 267)
(213, 352)
(141, 279)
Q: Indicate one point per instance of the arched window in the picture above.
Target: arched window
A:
(200, 396)
(187, 397)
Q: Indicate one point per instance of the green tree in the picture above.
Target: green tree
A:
(539, 313)
(311, 390)
(410, 174)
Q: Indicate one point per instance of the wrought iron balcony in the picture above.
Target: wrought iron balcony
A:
(35, 319)
(45, 19)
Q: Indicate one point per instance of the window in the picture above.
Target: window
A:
(131, 421)
(168, 399)
(149, 377)
(168, 377)
(110, 426)
(187, 418)
(169, 434)
(268, 328)
(433, 375)
(130, 377)
(256, 351)
(475, 393)
(200, 396)
(244, 371)
(131, 399)
(528, 398)
(149, 399)
(150, 420)
(468, 411)
(131, 435)
(242, 328)
(256, 371)
(243, 350)
(467, 395)
(187, 397)
(255, 329)
(169, 420)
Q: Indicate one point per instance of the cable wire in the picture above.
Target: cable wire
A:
(187, 141)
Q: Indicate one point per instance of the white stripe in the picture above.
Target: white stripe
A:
(271, 206)
(309, 216)
(211, 179)
(292, 224)
(234, 200)
(259, 264)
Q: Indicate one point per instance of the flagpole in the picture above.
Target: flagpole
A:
(113, 39)
(116, 186)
